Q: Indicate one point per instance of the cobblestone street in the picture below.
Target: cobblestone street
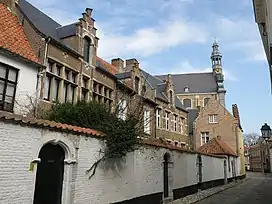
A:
(257, 190)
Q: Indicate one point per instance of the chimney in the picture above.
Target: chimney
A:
(118, 63)
(131, 62)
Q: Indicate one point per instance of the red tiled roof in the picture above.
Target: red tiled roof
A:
(12, 36)
(112, 69)
(217, 147)
(46, 123)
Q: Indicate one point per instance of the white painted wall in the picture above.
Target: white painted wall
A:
(213, 168)
(141, 172)
(27, 81)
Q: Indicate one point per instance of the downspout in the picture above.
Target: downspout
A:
(41, 75)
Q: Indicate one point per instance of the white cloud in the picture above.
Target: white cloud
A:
(147, 41)
(241, 36)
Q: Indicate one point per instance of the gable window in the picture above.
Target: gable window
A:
(158, 114)
(187, 103)
(167, 115)
(213, 118)
(136, 84)
(206, 100)
(204, 136)
(8, 82)
(87, 47)
(171, 96)
(122, 109)
(147, 121)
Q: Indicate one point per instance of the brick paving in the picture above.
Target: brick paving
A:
(256, 190)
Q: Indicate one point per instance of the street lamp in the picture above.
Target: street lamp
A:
(266, 134)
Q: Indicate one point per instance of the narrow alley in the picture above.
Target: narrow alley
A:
(256, 190)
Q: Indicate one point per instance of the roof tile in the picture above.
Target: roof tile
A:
(217, 147)
(112, 69)
(46, 123)
(12, 36)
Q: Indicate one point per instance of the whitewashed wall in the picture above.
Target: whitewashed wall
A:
(27, 82)
(141, 173)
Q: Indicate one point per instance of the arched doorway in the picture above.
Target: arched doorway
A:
(49, 177)
(166, 160)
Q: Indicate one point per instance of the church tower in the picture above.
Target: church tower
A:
(216, 58)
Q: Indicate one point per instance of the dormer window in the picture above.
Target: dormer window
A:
(186, 89)
(87, 48)
(136, 84)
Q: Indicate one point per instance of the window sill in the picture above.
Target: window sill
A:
(213, 122)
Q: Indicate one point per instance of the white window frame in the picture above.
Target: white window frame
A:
(212, 118)
(167, 120)
(204, 135)
(147, 129)
(122, 109)
(158, 117)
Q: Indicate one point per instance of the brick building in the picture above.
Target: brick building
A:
(73, 71)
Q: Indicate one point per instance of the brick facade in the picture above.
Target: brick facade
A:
(224, 125)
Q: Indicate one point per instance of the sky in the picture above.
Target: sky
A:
(175, 36)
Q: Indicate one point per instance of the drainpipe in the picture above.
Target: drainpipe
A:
(41, 74)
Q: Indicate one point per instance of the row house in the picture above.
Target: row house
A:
(72, 71)
(164, 114)
(19, 66)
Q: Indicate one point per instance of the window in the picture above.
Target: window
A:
(65, 92)
(136, 84)
(171, 96)
(66, 74)
(175, 123)
(158, 114)
(47, 87)
(213, 118)
(147, 121)
(181, 123)
(122, 109)
(8, 82)
(167, 114)
(84, 90)
(187, 103)
(58, 70)
(56, 90)
(49, 67)
(204, 138)
(73, 77)
(87, 47)
(72, 93)
(206, 100)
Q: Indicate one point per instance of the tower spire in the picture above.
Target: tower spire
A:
(216, 58)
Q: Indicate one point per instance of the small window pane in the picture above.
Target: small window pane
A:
(2, 71)
(1, 87)
(12, 75)
(10, 89)
(66, 74)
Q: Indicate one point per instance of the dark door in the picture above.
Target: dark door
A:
(199, 161)
(49, 178)
(165, 176)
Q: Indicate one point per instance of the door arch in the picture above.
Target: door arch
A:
(49, 176)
